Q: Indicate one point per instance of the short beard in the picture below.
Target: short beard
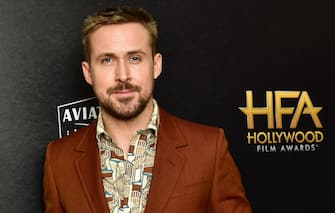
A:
(122, 109)
(124, 112)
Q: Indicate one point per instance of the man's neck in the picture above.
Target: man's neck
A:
(122, 131)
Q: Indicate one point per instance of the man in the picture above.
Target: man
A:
(136, 157)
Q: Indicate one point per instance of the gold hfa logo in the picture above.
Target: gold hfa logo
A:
(280, 136)
(274, 109)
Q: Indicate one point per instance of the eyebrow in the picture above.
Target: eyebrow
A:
(136, 52)
(109, 54)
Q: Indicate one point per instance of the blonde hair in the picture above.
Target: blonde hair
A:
(118, 15)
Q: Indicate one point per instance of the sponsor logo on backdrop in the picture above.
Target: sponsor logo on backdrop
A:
(282, 121)
(77, 114)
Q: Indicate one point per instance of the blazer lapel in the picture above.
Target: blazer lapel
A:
(168, 163)
(89, 171)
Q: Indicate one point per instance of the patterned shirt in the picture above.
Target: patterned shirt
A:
(127, 176)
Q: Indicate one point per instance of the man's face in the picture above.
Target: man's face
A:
(122, 69)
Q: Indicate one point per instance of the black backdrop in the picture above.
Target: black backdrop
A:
(214, 52)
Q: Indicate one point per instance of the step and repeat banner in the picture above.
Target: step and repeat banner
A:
(262, 70)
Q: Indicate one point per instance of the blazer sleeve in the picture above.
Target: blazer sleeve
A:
(51, 195)
(227, 193)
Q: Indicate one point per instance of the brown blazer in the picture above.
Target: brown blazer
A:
(193, 172)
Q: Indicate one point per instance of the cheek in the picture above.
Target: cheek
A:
(103, 77)
(145, 80)
(101, 83)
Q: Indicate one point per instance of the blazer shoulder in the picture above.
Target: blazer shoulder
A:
(74, 139)
(192, 128)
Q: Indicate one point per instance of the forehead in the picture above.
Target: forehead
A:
(120, 37)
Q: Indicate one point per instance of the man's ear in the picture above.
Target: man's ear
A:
(157, 65)
(85, 66)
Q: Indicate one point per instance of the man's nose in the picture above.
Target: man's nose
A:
(122, 72)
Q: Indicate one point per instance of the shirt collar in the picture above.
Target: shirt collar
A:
(152, 125)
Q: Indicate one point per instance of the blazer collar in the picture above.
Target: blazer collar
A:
(169, 163)
(88, 168)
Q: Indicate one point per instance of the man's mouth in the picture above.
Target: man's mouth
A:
(123, 89)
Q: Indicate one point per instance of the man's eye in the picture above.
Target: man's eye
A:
(106, 60)
(135, 59)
